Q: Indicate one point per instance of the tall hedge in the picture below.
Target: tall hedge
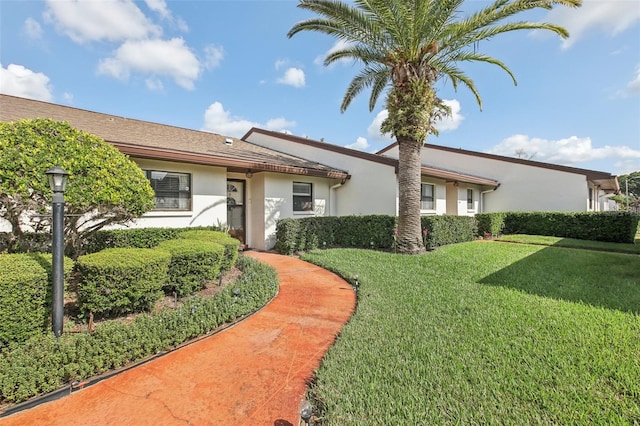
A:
(617, 227)
(443, 230)
(121, 280)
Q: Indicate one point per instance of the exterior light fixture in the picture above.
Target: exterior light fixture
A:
(249, 174)
(305, 411)
(58, 183)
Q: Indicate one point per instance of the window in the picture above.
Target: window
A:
(469, 199)
(173, 190)
(427, 197)
(302, 199)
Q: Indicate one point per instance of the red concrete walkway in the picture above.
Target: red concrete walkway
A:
(254, 373)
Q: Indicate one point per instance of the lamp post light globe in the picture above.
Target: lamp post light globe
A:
(58, 183)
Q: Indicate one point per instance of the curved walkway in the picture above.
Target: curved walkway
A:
(254, 373)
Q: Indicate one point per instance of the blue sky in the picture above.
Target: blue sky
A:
(224, 66)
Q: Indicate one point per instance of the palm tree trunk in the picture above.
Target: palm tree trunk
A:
(409, 179)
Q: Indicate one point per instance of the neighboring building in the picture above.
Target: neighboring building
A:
(247, 184)
(526, 185)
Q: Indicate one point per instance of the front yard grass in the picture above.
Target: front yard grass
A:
(573, 243)
(485, 333)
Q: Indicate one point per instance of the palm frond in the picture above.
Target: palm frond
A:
(368, 77)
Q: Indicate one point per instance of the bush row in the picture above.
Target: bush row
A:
(619, 227)
(374, 231)
(25, 294)
(122, 280)
(377, 231)
(135, 237)
(42, 363)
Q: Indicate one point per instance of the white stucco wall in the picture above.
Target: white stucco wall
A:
(371, 189)
(522, 187)
(278, 203)
(208, 197)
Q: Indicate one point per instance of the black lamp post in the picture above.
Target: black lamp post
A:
(58, 183)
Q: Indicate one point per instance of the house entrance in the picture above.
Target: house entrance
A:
(236, 202)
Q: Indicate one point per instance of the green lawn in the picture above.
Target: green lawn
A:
(485, 333)
(573, 243)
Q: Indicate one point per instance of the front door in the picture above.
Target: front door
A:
(235, 209)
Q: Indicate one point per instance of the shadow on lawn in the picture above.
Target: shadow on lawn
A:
(600, 279)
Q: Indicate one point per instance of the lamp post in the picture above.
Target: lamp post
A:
(58, 183)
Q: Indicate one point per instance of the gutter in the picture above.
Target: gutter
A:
(482, 197)
(332, 196)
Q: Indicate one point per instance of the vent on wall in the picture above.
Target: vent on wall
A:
(228, 141)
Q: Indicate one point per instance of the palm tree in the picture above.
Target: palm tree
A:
(406, 46)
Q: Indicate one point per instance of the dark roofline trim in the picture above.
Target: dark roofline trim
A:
(150, 153)
(425, 170)
(323, 145)
(590, 174)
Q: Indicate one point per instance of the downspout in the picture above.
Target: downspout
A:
(332, 196)
(482, 197)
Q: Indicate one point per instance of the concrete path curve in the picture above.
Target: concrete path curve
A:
(254, 373)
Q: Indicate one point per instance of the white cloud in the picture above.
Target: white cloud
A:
(373, 131)
(454, 119)
(339, 45)
(217, 120)
(32, 28)
(360, 144)
(633, 87)
(213, 56)
(170, 58)
(68, 97)
(566, 151)
(17, 80)
(451, 122)
(154, 84)
(611, 17)
(160, 7)
(293, 77)
(281, 63)
(89, 20)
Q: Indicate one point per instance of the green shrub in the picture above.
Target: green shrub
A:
(117, 281)
(443, 230)
(23, 292)
(43, 364)
(371, 231)
(229, 243)
(490, 223)
(192, 263)
(619, 227)
(135, 237)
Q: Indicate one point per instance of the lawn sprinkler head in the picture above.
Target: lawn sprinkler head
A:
(305, 411)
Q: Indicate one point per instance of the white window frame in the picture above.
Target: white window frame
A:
(307, 206)
(424, 206)
(470, 202)
(163, 199)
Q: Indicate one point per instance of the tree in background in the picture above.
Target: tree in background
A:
(105, 187)
(629, 197)
(405, 47)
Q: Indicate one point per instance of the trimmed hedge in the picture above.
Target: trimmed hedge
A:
(372, 231)
(25, 294)
(43, 364)
(618, 227)
(192, 262)
(135, 237)
(121, 280)
(443, 230)
(229, 243)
